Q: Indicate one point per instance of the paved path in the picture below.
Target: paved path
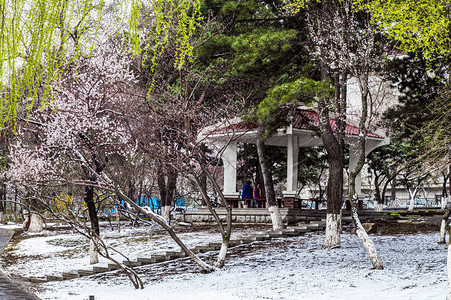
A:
(8, 289)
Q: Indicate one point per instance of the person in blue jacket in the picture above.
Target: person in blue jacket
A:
(246, 194)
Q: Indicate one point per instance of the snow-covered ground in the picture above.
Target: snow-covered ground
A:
(288, 268)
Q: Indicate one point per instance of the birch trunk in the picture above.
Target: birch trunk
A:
(333, 231)
(367, 241)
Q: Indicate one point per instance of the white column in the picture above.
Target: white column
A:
(292, 164)
(229, 158)
(354, 154)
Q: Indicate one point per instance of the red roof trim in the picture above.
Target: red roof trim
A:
(299, 122)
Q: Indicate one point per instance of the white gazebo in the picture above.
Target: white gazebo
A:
(301, 133)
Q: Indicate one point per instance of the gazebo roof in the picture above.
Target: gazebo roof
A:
(305, 120)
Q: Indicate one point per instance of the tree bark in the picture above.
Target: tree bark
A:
(442, 239)
(167, 180)
(93, 251)
(118, 219)
(353, 197)
(95, 230)
(412, 194)
(393, 192)
(444, 190)
(273, 209)
(203, 176)
(227, 231)
(367, 241)
(334, 144)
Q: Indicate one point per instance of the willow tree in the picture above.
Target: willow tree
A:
(39, 38)
(415, 25)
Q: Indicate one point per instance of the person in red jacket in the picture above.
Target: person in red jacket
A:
(258, 195)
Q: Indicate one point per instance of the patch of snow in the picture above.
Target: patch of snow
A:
(415, 268)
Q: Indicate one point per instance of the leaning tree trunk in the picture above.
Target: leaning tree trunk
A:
(159, 220)
(273, 208)
(226, 232)
(360, 231)
(353, 197)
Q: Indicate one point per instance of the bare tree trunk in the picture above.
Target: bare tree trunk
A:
(448, 263)
(353, 197)
(92, 211)
(273, 209)
(334, 191)
(118, 218)
(393, 192)
(367, 241)
(445, 218)
(167, 189)
(203, 175)
(227, 231)
(334, 144)
(412, 194)
(2, 204)
(444, 190)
